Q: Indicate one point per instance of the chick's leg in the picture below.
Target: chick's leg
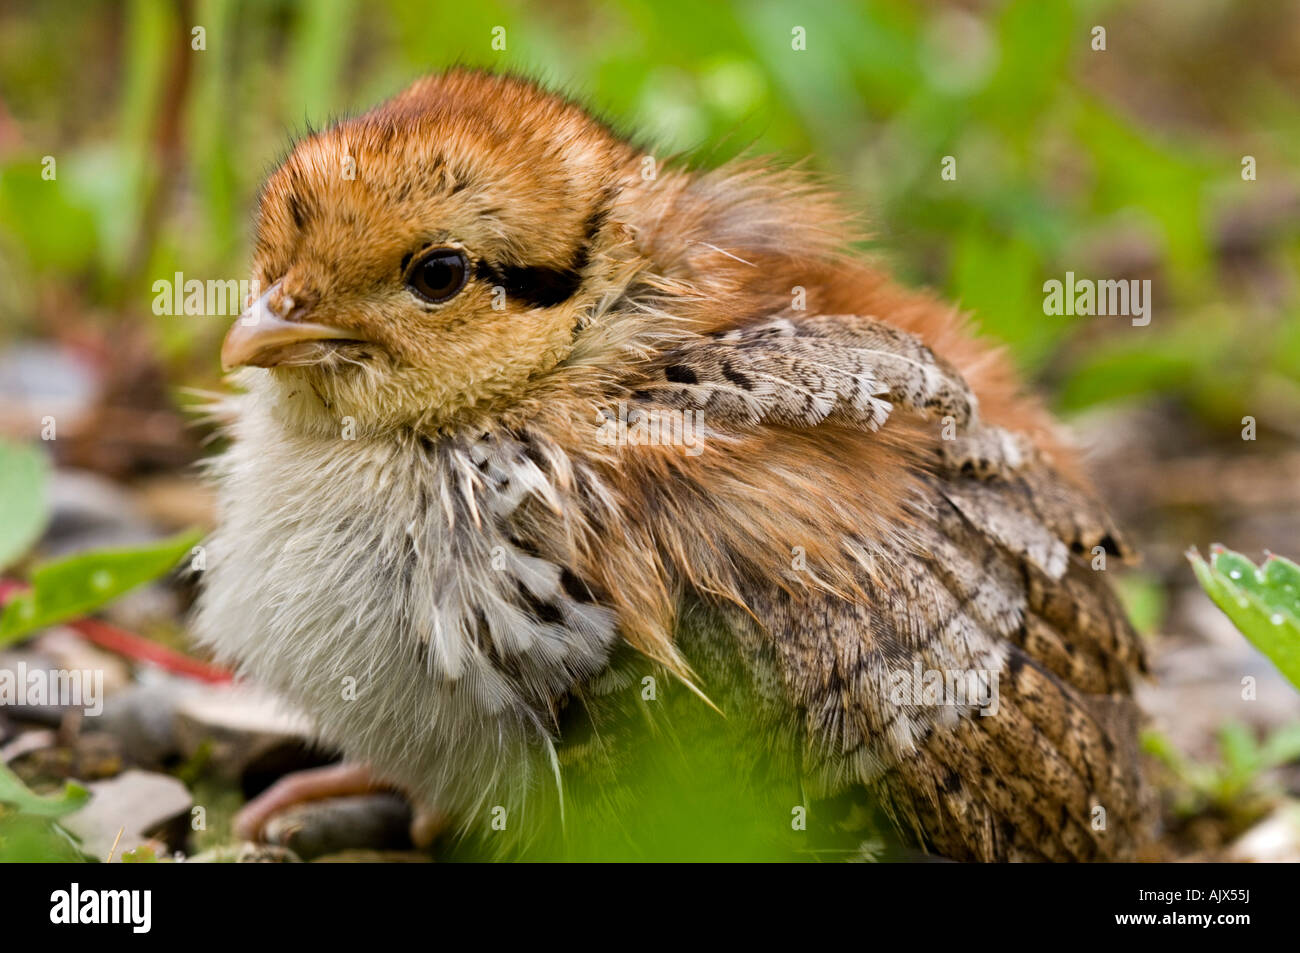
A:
(314, 784)
(335, 780)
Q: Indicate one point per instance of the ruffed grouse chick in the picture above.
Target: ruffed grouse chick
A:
(520, 401)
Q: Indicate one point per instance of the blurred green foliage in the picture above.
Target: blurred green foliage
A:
(1237, 785)
(649, 771)
(1117, 163)
(23, 509)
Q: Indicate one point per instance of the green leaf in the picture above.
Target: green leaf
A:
(30, 839)
(1283, 579)
(67, 588)
(17, 794)
(1263, 602)
(22, 500)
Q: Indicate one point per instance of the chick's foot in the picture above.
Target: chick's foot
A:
(336, 780)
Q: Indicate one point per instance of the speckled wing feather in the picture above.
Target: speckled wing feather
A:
(994, 576)
(801, 374)
(1053, 773)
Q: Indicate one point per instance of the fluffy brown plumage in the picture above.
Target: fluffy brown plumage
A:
(418, 495)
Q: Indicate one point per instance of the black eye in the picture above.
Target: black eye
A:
(437, 275)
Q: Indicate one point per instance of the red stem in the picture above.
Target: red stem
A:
(132, 646)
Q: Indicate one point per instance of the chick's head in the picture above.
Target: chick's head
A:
(424, 262)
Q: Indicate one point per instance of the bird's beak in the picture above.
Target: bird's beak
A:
(263, 337)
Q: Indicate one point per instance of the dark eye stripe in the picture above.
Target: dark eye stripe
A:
(536, 285)
(542, 286)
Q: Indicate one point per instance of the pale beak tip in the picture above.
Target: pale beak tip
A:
(261, 343)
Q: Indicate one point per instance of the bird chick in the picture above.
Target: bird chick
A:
(519, 399)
